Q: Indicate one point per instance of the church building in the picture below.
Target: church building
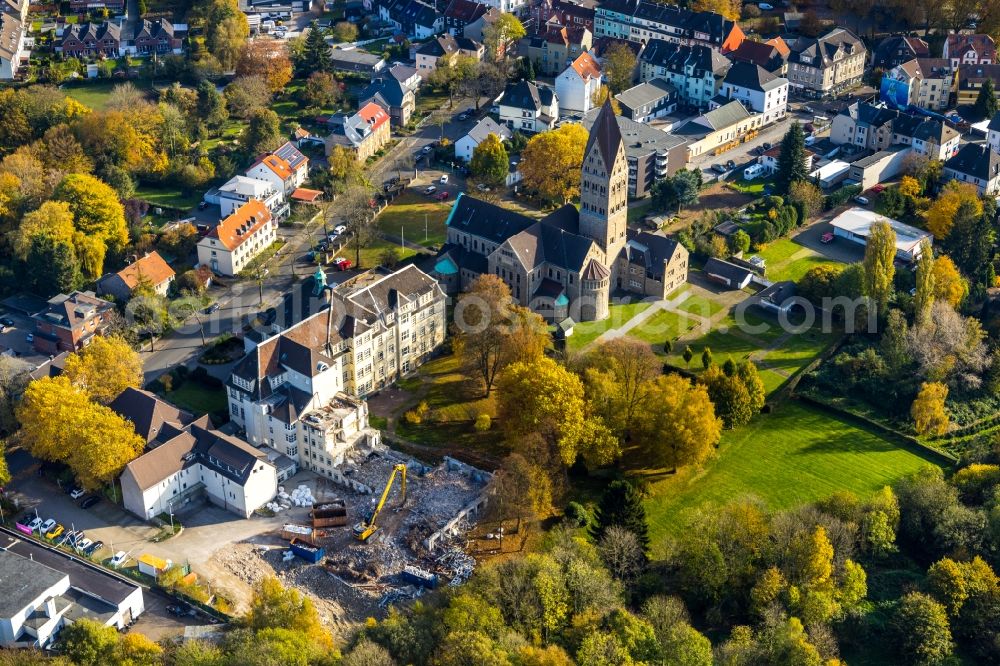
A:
(570, 262)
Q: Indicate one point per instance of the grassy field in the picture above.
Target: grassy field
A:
(93, 94)
(586, 332)
(172, 197)
(370, 255)
(663, 325)
(796, 454)
(409, 212)
(198, 398)
(786, 260)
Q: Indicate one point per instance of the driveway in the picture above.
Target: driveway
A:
(840, 249)
(14, 337)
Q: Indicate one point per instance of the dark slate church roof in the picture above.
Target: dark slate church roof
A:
(606, 134)
(486, 220)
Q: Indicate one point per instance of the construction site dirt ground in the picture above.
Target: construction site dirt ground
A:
(357, 580)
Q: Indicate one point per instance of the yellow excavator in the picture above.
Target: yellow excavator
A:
(366, 528)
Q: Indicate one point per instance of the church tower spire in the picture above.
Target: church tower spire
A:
(604, 186)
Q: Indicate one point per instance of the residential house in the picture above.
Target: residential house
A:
(150, 415)
(365, 132)
(114, 6)
(516, 7)
(772, 55)
(88, 40)
(826, 65)
(237, 239)
(460, 13)
(977, 164)
(298, 162)
(277, 172)
(46, 590)
(528, 107)
(648, 101)
(466, 145)
(14, 51)
(70, 322)
(578, 84)
(651, 154)
(645, 20)
(971, 79)
(769, 159)
(353, 59)
(154, 37)
(993, 133)
(696, 72)
(758, 89)
(962, 49)
(879, 167)
(876, 128)
(567, 263)
(547, 15)
(397, 99)
(240, 189)
(196, 462)
(379, 327)
(408, 75)
(474, 29)
(414, 19)
(555, 50)
(720, 129)
(897, 49)
(150, 269)
(430, 52)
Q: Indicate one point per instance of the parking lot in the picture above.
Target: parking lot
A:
(16, 338)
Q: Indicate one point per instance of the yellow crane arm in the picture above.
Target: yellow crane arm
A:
(363, 531)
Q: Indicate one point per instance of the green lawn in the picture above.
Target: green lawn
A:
(663, 325)
(93, 94)
(700, 306)
(409, 213)
(370, 255)
(230, 132)
(755, 186)
(586, 332)
(168, 197)
(796, 454)
(786, 260)
(198, 398)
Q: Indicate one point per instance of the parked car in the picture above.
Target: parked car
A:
(55, 531)
(483, 187)
(341, 263)
(878, 189)
(861, 200)
(719, 168)
(765, 7)
(462, 116)
(766, 145)
(430, 189)
(426, 149)
(214, 307)
(94, 547)
(202, 205)
(442, 196)
(89, 501)
(6, 321)
(443, 179)
(82, 544)
(35, 524)
(119, 558)
(826, 238)
(177, 610)
(77, 493)
(46, 526)
(339, 229)
(730, 164)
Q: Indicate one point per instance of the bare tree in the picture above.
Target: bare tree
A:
(949, 347)
(622, 553)
(354, 208)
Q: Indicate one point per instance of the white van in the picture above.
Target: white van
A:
(753, 171)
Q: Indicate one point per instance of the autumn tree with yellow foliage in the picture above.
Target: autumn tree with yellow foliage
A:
(949, 285)
(941, 215)
(678, 425)
(551, 163)
(604, 93)
(729, 8)
(105, 368)
(60, 423)
(928, 410)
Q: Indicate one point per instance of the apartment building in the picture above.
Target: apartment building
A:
(236, 240)
(643, 21)
(380, 326)
(758, 89)
(962, 49)
(364, 133)
(978, 165)
(528, 107)
(926, 83)
(826, 65)
(876, 128)
(897, 49)
(554, 51)
(696, 71)
(578, 84)
(14, 52)
(70, 322)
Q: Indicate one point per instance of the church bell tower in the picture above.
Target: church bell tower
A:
(604, 186)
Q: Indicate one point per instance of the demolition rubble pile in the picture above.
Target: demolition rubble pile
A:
(434, 497)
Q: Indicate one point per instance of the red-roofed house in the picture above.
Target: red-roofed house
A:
(276, 171)
(151, 269)
(576, 86)
(970, 50)
(229, 247)
(365, 132)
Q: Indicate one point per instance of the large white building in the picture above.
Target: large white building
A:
(466, 146)
(13, 37)
(578, 83)
(44, 590)
(529, 108)
(236, 240)
(855, 225)
(379, 327)
(240, 189)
